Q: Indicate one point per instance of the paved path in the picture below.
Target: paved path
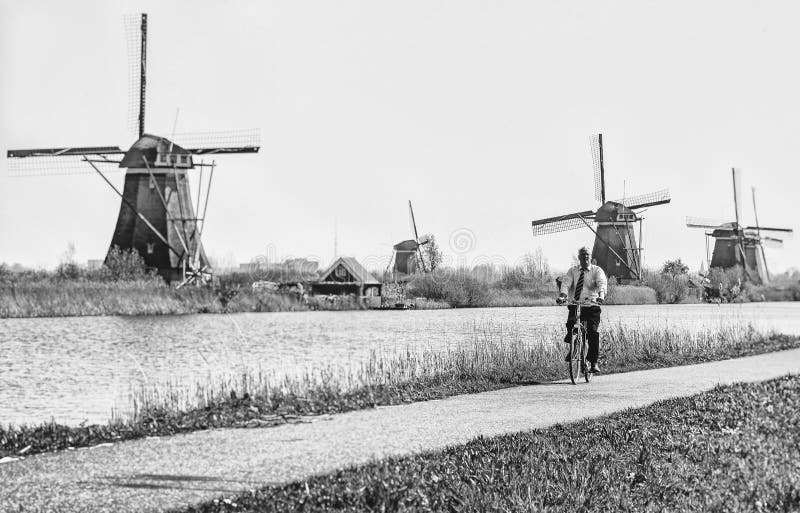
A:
(158, 473)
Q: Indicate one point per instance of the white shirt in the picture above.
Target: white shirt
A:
(595, 283)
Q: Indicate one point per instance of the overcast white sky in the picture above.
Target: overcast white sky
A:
(478, 112)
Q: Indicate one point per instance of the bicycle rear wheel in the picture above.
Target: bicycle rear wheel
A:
(575, 357)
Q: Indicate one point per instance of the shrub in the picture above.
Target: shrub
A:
(669, 288)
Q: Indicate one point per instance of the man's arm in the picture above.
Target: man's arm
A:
(602, 283)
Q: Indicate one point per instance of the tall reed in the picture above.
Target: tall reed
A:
(495, 356)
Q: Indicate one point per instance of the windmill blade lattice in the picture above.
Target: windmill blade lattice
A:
(596, 143)
(561, 223)
(783, 233)
(737, 193)
(233, 141)
(646, 200)
(61, 164)
(771, 242)
(704, 222)
(135, 26)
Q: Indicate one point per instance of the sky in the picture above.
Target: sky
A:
(478, 112)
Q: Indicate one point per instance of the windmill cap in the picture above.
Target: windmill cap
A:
(148, 146)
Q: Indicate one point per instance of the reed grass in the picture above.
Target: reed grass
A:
(64, 298)
(496, 356)
(79, 298)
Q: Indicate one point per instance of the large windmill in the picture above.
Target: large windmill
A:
(615, 248)
(407, 258)
(739, 245)
(157, 216)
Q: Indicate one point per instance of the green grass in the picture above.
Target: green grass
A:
(734, 448)
(498, 356)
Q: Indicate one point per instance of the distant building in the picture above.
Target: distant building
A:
(347, 276)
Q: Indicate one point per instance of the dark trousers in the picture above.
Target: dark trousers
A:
(590, 314)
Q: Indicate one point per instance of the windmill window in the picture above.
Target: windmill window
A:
(162, 158)
(150, 247)
(184, 160)
(340, 272)
(626, 217)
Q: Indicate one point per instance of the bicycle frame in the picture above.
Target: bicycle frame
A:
(579, 344)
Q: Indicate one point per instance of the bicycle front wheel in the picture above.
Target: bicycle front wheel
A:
(584, 349)
(575, 356)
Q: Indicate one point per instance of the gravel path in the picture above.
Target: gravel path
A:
(159, 473)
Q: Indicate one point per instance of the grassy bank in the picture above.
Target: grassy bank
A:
(61, 298)
(497, 357)
(734, 448)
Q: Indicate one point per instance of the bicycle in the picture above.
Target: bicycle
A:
(578, 345)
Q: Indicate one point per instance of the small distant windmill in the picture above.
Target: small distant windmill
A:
(738, 245)
(407, 258)
(157, 217)
(615, 249)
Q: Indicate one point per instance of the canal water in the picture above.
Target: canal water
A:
(76, 369)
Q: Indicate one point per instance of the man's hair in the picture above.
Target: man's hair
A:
(584, 249)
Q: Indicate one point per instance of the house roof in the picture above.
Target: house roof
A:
(354, 267)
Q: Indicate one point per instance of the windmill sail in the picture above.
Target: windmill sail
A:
(708, 223)
(646, 200)
(232, 141)
(772, 242)
(599, 169)
(136, 37)
(561, 223)
(737, 193)
(784, 233)
(60, 161)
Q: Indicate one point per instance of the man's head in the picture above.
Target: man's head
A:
(584, 257)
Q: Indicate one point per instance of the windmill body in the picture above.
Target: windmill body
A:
(615, 248)
(407, 259)
(157, 185)
(157, 216)
(733, 247)
(741, 246)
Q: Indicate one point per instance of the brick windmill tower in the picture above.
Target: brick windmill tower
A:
(615, 248)
(157, 216)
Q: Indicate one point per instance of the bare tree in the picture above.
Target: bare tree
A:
(535, 266)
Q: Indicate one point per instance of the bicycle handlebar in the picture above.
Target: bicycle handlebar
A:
(588, 302)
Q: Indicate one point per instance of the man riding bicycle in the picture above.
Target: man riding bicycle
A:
(585, 282)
